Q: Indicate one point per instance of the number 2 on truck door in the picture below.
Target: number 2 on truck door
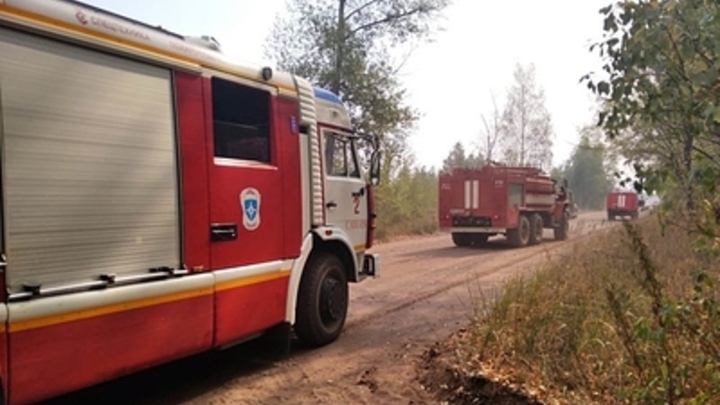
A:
(345, 196)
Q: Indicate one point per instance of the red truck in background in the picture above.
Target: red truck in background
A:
(518, 202)
(623, 204)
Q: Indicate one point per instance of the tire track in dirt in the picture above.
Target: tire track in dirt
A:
(524, 254)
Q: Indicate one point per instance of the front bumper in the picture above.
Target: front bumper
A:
(624, 213)
(371, 265)
(472, 221)
(475, 229)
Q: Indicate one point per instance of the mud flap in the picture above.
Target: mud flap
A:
(277, 341)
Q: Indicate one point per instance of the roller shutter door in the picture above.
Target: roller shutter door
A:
(90, 178)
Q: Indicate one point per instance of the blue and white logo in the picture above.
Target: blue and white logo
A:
(250, 203)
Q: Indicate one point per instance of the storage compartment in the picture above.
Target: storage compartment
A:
(90, 172)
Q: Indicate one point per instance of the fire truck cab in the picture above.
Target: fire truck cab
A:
(158, 200)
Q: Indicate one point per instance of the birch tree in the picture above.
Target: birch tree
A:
(527, 125)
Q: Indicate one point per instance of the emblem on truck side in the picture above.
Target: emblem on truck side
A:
(250, 203)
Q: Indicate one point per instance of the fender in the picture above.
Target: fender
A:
(295, 275)
(333, 234)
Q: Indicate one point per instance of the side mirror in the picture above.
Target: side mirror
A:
(375, 159)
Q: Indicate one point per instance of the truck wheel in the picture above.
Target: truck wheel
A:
(561, 232)
(461, 239)
(480, 239)
(322, 300)
(536, 229)
(610, 217)
(520, 236)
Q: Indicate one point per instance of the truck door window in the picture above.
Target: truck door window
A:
(335, 155)
(353, 170)
(340, 156)
(241, 121)
(354, 166)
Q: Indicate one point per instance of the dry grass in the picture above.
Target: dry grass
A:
(391, 227)
(631, 317)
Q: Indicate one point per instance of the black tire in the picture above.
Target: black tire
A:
(322, 301)
(462, 239)
(561, 232)
(480, 239)
(610, 217)
(536, 229)
(520, 236)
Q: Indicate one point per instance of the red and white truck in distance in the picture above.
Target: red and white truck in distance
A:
(623, 204)
(160, 200)
(518, 202)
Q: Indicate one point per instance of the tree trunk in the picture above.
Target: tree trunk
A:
(339, 48)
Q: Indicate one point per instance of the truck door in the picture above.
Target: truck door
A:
(246, 206)
(345, 195)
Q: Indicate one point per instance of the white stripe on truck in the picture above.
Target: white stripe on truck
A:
(476, 194)
(467, 194)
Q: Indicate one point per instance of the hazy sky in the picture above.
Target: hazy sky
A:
(450, 80)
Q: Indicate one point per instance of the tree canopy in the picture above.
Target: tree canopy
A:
(660, 88)
(459, 158)
(526, 124)
(587, 171)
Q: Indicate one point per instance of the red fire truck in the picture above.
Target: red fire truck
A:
(623, 204)
(159, 200)
(518, 202)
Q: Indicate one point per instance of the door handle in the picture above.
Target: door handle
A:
(359, 193)
(223, 232)
(331, 204)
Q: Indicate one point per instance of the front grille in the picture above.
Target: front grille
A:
(484, 222)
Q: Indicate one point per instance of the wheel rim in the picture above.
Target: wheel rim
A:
(524, 230)
(332, 300)
(538, 228)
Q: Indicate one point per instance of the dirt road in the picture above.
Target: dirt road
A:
(425, 292)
